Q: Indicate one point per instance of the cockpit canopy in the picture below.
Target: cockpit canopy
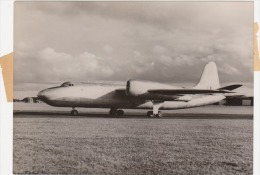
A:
(66, 84)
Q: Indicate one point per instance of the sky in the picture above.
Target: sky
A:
(116, 41)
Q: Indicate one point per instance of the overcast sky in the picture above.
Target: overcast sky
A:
(117, 41)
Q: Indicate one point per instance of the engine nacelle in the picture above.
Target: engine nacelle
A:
(137, 88)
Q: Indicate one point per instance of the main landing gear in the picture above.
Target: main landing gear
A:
(155, 112)
(150, 114)
(74, 112)
(116, 112)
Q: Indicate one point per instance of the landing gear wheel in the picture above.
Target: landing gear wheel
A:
(74, 112)
(120, 112)
(159, 114)
(116, 112)
(113, 111)
(150, 114)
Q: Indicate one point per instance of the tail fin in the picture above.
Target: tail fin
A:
(209, 78)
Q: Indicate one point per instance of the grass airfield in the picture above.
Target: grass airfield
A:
(206, 140)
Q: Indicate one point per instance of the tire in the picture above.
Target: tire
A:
(120, 112)
(159, 115)
(113, 112)
(74, 113)
(149, 114)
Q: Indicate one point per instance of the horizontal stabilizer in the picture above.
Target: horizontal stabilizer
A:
(231, 87)
(186, 91)
(237, 96)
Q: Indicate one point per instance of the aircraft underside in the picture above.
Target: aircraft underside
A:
(116, 104)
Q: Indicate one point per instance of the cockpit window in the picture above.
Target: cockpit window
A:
(66, 84)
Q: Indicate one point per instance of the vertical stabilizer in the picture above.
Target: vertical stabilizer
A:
(209, 78)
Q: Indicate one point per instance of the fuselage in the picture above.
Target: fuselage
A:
(115, 96)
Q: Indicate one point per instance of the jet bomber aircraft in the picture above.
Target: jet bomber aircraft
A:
(139, 94)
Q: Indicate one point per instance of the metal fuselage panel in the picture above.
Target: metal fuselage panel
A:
(113, 96)
(91, 96)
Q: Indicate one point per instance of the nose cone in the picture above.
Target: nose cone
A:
(50, 96)
(44, 95)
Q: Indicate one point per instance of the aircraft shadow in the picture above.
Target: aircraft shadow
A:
(37, 114)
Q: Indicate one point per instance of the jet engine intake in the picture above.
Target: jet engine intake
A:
(140, 89)
(137, 88)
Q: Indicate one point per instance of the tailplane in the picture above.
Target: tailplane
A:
(209, 78)
(230, 87)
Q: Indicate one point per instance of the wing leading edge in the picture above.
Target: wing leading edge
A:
(187, 91)
(223, 90)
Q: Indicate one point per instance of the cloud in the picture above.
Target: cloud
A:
(117, 41)
(229, 70)
(108, 49)
(159, 49)
(183, 60)
(49, 65)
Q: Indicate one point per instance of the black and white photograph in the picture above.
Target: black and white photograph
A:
(141, 87)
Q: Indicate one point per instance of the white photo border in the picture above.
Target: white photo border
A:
(6, 108)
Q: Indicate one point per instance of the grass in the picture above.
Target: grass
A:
(132, 146)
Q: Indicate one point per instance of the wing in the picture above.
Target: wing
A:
(186, 91)
(121, 91)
